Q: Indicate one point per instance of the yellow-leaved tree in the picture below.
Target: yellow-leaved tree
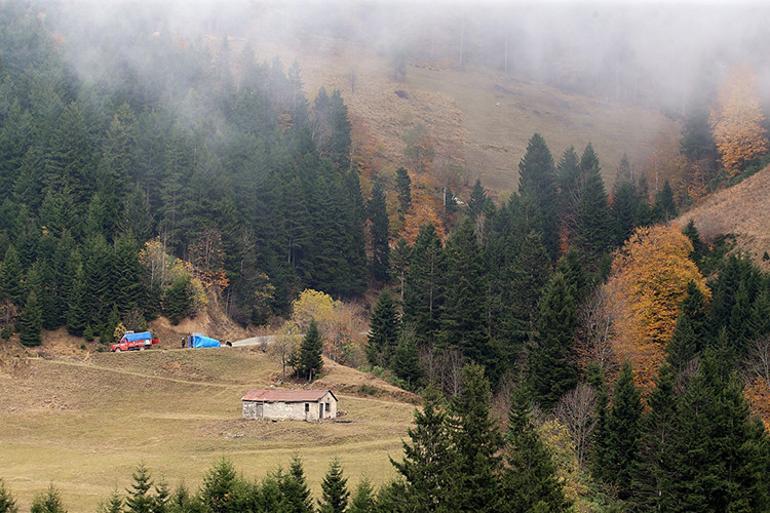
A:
(652, 271)
(340, 325)
(649, 281)
(737, 121)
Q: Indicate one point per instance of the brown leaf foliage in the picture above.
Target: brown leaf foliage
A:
(737, 120)
(649, 281)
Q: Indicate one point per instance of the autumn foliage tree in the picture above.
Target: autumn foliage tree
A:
(737, 121)
(653, 270)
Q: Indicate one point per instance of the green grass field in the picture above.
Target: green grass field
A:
(84, 424)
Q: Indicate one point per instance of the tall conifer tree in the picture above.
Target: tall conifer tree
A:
(335, 490)
(462, 316)
(383, 332)
(379, 231)
(552, 366)
(529, 481)
(537, 181)
(476, 442)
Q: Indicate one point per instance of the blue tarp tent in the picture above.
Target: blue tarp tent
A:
(198, 340)
(134, 337)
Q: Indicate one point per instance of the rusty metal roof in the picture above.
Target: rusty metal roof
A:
(285, 396)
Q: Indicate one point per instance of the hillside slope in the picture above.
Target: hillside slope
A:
(83, 423)
(741, 210)
(480, 121)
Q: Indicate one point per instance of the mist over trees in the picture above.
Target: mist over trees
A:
(245, 179)
(185, 171)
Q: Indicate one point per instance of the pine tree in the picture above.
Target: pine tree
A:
(136, 216)
(738, 326)
(296, 494)
(31, 321)
(618, 451)
(406, 360)
(113, 504)
(178, 300)
(400, 265)
(683, 346)
(356, 245)
(592, 225)
(691, 331)
(48, 502)
(478, 200)
(665, 206)
(111, 329)
(219, 488)
(645, 214)
(10, 280)
(530, 270)
(568, 179)
(698, 247)
(383, 332)
(625, 208)
(404, 188)
(393, 498)
(571, 267)
(529, 480)
(116, 165)
(97, 264)
(424, 292)
(428, 458)
(160, 503)
(652, 473)
(379, 230)
(537, 182)
(476, 442)
(716, 458)
(363, 500)
(7, 502)
(309, 361)
(77, 314)
(462, 316)
(697, 142)
(128, 271)
(335, 490)
(139, 498)
(552, 364)
(759, 323)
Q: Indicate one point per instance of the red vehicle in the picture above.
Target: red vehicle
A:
(135, 342)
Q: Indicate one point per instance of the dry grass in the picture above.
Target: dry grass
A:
(740, 210)
(480, 121)
(83, 422)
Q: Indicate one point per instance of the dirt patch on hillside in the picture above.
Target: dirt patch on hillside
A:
(741, 210)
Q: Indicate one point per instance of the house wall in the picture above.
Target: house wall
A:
(332, 406)
(252, 410)
(291, 411)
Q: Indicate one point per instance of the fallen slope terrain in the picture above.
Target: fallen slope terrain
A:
(741, 210)
(83, 422)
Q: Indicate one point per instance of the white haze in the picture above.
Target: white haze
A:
(659, 54)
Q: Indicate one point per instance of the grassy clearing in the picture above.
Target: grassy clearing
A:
(84, 424)
(481, 121)
(740, 210)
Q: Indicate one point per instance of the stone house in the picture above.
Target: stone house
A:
(276, 404)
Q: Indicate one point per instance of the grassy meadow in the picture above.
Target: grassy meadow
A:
(84, 423)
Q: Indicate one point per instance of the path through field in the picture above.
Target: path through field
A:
(84, 424)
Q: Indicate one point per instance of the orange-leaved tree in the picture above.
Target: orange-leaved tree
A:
(737, 120)
(649, 281)
(653, 270)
